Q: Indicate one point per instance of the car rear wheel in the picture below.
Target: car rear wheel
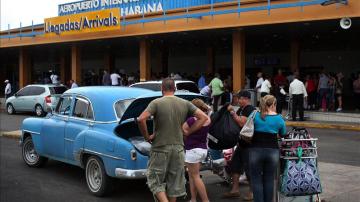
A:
(10, 109)
(97, 180)
(30, 156)
(39, 111)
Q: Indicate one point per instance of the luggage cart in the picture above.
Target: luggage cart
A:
(287, 153)
(288, 100)
(288, 115)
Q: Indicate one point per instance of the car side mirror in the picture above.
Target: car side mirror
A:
(16, 95)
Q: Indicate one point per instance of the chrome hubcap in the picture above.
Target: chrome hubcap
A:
(10, 109)
(38, 110)
(94, 175)
(30, 154)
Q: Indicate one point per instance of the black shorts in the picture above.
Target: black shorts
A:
(240, 160)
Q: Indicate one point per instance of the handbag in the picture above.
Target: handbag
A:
(247, 131)
(300, 178)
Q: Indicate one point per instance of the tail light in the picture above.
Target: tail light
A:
(48, 99)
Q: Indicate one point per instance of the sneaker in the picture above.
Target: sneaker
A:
(242, 178)
(338, 109)
(249, 197)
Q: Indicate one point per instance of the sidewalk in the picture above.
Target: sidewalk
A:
(339, 182)
(324, 125)
(11, 134)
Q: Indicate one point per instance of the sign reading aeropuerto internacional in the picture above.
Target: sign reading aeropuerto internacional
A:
(127, 7)
(95, 21)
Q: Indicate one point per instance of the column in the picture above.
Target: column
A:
(24, 68)
(210, 60)
(238, 60)
(165, 59)
(108, 61)
(145, 70)
(62, 68)
(294, 55)
(76, 63)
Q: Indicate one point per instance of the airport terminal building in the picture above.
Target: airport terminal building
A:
(153, 37)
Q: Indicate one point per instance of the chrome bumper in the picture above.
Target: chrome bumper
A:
(130, 174)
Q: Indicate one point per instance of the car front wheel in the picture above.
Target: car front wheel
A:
(39, 111)
(10, 109)
(97, 180)
(30, 156)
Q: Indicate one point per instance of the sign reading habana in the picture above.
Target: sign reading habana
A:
(94, 21)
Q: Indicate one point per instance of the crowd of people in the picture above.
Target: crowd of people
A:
(180, 138)
(323, 92)
(181, 128)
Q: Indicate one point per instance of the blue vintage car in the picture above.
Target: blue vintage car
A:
(94, 128)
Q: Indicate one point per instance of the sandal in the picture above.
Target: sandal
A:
(248, 198)
(231, 195)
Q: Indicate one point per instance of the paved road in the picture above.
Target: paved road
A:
(335, 146)
(11, 122)
(61, 182)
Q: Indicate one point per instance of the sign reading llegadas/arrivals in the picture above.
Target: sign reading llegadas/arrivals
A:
(103, 20)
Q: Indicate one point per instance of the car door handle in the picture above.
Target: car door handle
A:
(91, 123)
(66, 119)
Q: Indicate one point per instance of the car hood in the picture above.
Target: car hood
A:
(139, 104)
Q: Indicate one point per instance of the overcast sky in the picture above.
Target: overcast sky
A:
(15, 11)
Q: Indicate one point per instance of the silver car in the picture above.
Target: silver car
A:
(181, 85)
(35, 98)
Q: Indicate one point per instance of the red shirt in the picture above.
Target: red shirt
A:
(279, 80)
(310, 85)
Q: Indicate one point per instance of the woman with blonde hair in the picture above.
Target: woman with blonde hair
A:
(264, 149)
(196, 152)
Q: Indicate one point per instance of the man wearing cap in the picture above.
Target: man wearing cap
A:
(239, 162)
(7, 89)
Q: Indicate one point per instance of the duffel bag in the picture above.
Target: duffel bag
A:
(224, 131)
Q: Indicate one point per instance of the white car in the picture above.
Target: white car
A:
(181, 85)
(35, 98)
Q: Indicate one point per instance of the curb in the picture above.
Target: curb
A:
(11, 134)
(17, 133)
(352, 127)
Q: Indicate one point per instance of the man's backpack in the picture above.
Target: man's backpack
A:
(224, 131)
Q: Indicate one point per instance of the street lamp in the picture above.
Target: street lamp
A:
(329, 2)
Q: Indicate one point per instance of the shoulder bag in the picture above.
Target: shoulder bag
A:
(247, 131)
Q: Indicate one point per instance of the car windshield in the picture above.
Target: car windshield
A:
(57, 90)
(121, 106)
(187, 86)
(149, 86)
